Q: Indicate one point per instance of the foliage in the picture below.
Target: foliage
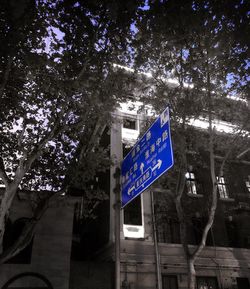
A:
(197, 54)
(57, 89)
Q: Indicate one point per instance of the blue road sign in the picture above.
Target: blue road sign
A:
(150, 157)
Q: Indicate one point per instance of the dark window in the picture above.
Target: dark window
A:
(12, 233)
(133, 213)
(129, 123)
(247, 242)
(198, 227)
(167, 223)
(232, 233)
(243, 283)
(87, 230)
(162, 233)
(207, 283)
(169, 282)
(168, 232)
(125, 149)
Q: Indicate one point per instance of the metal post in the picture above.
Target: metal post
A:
(117, 229)
(157, 256)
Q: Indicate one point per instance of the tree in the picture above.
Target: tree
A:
(192, 50)
(57, 88)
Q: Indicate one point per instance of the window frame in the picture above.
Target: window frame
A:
(191, 183)
(207, 280)
(130, 119)
(131, 230)
(164, 283)
(222, 187)
(168, 232)
(247, 184)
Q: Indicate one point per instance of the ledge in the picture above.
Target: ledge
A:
(195, 195)
(227, 199)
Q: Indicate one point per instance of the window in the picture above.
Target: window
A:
(242, 283)
(129, 123)
(132, 212)
(130, 129)
(169, 282)
(167, 224)
(13, 230)
(222, 188)
(133, 219)
(198, 225)
(133, 225)
(168, 232)
(247, 242)
(232, 233)
(207, 283)
(248, 184)
(191, 183)
(2, 185)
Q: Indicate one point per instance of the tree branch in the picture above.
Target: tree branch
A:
(20, 137)
(29, 229)
(80, 74)
(213, 207)
(3, 174)
(179, 192)
(24, 165)
(94, 139)
(242, 153)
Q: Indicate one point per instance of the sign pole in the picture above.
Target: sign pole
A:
(117, 192)
(149, 158)
(157, 256)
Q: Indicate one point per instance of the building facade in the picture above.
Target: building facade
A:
(69, 251)
(225, 261)
(45, 262)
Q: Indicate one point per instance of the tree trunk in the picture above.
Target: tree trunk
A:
(191, 274)
(2, 223)
(9, 194)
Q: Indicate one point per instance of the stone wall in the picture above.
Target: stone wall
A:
(139, 270)
(50, 252)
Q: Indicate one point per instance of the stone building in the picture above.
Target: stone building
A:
(45, 262)
(225, 261)
(71, 252)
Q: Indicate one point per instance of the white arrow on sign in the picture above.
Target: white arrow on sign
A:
(130, 190)
(157, 166)
(142, 167)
